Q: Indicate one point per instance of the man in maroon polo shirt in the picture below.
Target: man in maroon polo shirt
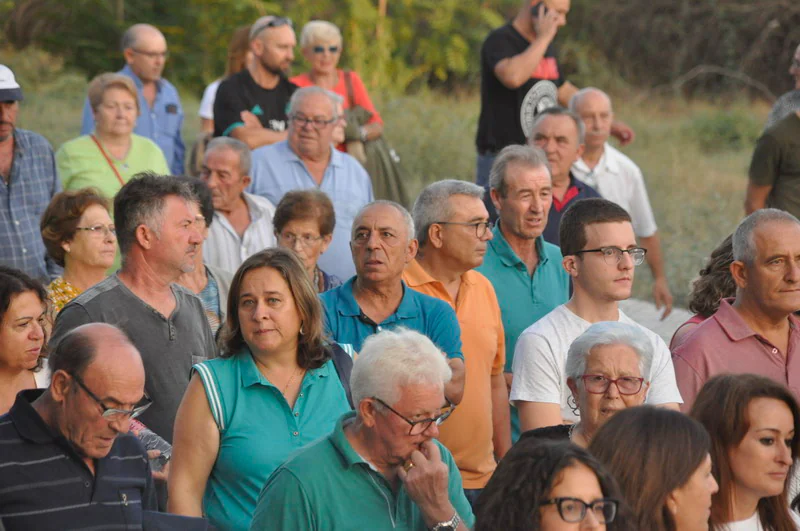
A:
(757, 331)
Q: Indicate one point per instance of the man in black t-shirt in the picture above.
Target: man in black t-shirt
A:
(251, 105)
(520, 77)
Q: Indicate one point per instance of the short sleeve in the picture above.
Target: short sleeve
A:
(228, 106)
(538, 377)
(663, 384)
(644, 222)
(445, 332)
(765, 164)
(284, 504)
(688, 378)
(497, 47)
(207, 103)
(66, 168)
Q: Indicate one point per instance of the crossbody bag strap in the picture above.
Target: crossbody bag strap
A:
(108, 159)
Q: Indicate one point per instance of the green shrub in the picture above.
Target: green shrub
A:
(724, 130)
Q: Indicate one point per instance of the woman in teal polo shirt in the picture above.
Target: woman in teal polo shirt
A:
(274, 389)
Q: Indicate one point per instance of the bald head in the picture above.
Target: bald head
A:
(594, 108)
(145, 51)
(96, 343)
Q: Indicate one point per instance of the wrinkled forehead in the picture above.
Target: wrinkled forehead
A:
(379, 216)
(779, 237)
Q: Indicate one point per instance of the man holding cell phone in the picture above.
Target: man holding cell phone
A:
(520, 77)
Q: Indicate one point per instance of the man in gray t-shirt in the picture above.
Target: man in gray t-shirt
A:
(155, 219)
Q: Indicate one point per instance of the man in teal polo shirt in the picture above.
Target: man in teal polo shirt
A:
(382, 467)
(525, 270)
(382, 242)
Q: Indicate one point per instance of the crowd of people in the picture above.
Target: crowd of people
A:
(282, 340)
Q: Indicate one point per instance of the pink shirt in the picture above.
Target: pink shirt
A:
(724, 343)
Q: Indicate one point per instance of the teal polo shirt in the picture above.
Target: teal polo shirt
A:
(523, 299)
(348, 326)
(258, 430)
(329, 486)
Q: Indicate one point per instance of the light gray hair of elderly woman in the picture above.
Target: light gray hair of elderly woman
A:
(609, 333)
(432, 204)
(409, 221)
(318, 31)
(393, 359)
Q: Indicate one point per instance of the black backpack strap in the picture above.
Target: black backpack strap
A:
(344, 366)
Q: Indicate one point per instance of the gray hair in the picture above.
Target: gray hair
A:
(237, 146)
(575, 100)
(393, 359)
(131, 35)
(397, 206)
(528, 156)
(319, 30)
(432, 203)
(609, 333)
(300, 94)
(560, 111)
(744, 248)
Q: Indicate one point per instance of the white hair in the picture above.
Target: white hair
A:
(320, 31)
(744, 247)
(433, 203)
(302, 93)
(393, 359)
(409, 221)
(577, 98)
(609, 333)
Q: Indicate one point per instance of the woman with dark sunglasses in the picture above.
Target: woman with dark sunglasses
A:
(545, 485)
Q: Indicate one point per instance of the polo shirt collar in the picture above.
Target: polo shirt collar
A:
(416, 276)
(27, 420)
(250, 375)
(347, 306)
(734, 326)
(342, 445)
(255, 212)
(506, 253)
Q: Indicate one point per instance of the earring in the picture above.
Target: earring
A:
(301, 330)
(572, 404)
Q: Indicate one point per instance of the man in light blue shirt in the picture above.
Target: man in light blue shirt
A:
(307, 160)
(145, 50)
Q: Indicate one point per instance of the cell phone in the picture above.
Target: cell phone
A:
(535, 9)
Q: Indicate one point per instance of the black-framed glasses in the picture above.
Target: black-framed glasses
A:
(153, 55)
(273, 22)
(481, 227)
(612, 255)
(598, 384)
(420, 426)
(306, 240)
(111, 413)
(321, 49)
(573, 510)
(317, 122)
(99, 230)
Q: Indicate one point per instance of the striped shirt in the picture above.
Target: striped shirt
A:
(24, 195)
(45, 484)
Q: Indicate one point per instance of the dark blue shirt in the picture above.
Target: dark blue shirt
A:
(45, 484)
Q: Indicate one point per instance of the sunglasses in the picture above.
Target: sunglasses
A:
(321, 49)
(274, 22)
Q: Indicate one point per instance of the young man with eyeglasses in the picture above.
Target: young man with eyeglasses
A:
(600, 254)
(308, 159)
(69, 460)
(161, 118)
(251, 105)
(453, 231)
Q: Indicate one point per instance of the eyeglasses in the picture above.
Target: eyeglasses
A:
(99, 230)
(111, 413)
(420, 426)
(481, 227)
(289, 240)
(273, 22)
(321, 49)
(153, 55)
(318, 123)
(599, 384)
(573, 510)
(612, 255)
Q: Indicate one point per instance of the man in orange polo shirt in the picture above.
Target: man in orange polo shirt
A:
(453, 229)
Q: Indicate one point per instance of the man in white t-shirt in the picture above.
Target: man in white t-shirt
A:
(600, 253)
(617, 178)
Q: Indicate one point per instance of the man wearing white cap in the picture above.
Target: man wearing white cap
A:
(28, 181)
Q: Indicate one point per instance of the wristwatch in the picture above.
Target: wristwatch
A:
(448, 525)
